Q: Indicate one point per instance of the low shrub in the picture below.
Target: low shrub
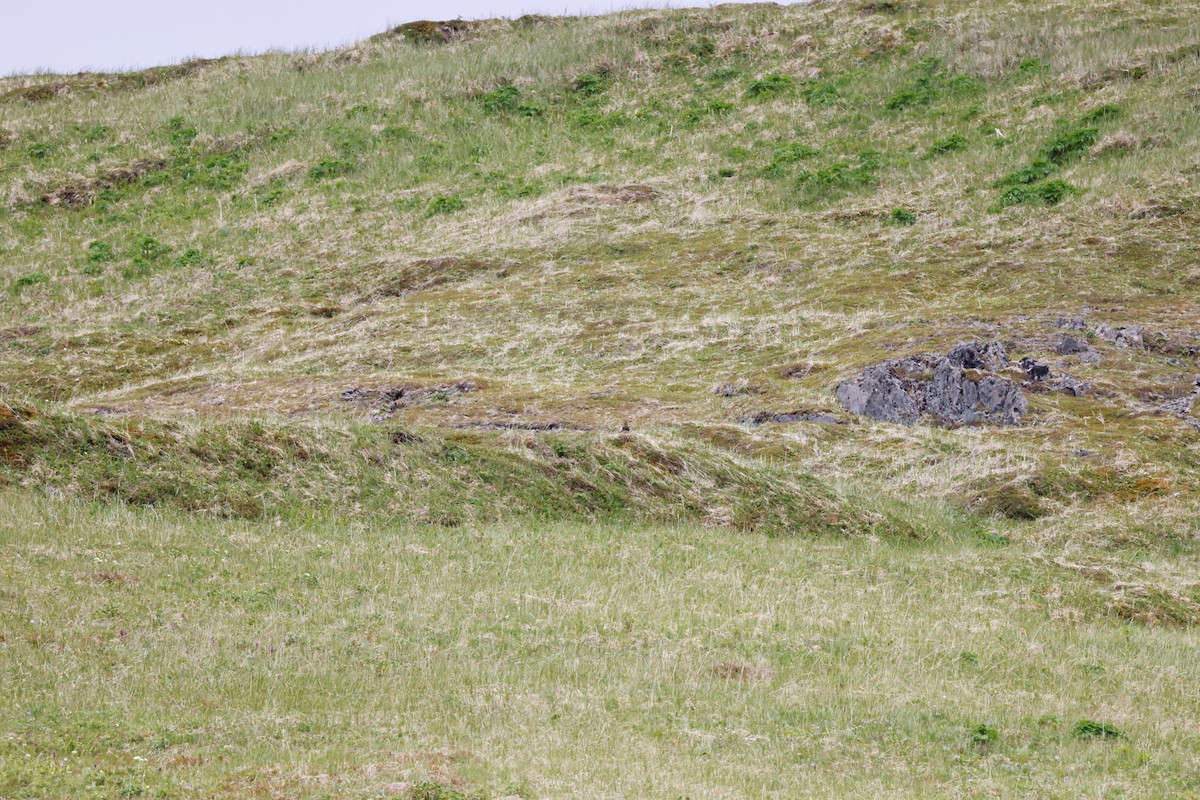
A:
(951, 144)
(770, 86)
(444, 205)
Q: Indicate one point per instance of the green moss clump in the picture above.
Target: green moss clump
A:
(770, 86)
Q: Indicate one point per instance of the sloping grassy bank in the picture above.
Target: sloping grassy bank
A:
(256, 469)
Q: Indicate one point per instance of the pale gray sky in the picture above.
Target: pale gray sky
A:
(71, 35)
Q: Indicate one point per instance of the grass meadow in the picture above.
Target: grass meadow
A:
(154, 654)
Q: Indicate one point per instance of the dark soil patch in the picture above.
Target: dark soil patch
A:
(516, 425)
(83, 193)
(821, 417)
(430, 273)
(428, 32)
(390, 398)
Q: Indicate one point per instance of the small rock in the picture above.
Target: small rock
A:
(1082, 453)
(974, 355)
(1072, 386)
(1068, 346)
(1124, 337)
(796, 371)
(1033, 370)
(1072, 324)
(735, 389)
(1181, 405)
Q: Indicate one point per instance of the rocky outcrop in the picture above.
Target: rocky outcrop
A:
(1128, 336)
(1183, 405)
(1125, 337)
(951, 389)
(881, 394)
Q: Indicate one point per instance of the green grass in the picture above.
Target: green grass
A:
(174, 656)
(536, 247)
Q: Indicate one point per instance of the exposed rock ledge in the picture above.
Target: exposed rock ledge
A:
(954, 389)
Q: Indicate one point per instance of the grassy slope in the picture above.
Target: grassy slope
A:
(668, 201)
(711, 203)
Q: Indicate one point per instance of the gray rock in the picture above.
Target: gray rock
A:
(1034, 371)
(949, 397)
(879, 394)
(1125, 337)
(897, 391)
(1181, 405)
(1002, 399)
(1072, 323)
(1068, 345)
(989, 357)
(1072, 386)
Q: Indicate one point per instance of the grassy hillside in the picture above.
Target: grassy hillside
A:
(513, 278)
(597, 221)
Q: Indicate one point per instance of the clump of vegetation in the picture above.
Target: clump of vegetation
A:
(1067, 146)
(1032, 66)
(595, 120)
(1046, 193)
(330, 168)
(1101, 113)
(428, 790)
(787, 156)
(951, 144)
(29, 279)
(821, 93)
(508, 100)
(1028, 185)
(984, 735)
(830, 181)
(1014, 500)
(771, 85)
(444, 204)
(1090, 729)
(149, 248)
(95, 133)
(193, 257)
(929, 83)
(902, 216)
(722, 75)
(219, 171)
(591, 84)
(146, 253)
(100, 252)
(696, 112)
(179, 133)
